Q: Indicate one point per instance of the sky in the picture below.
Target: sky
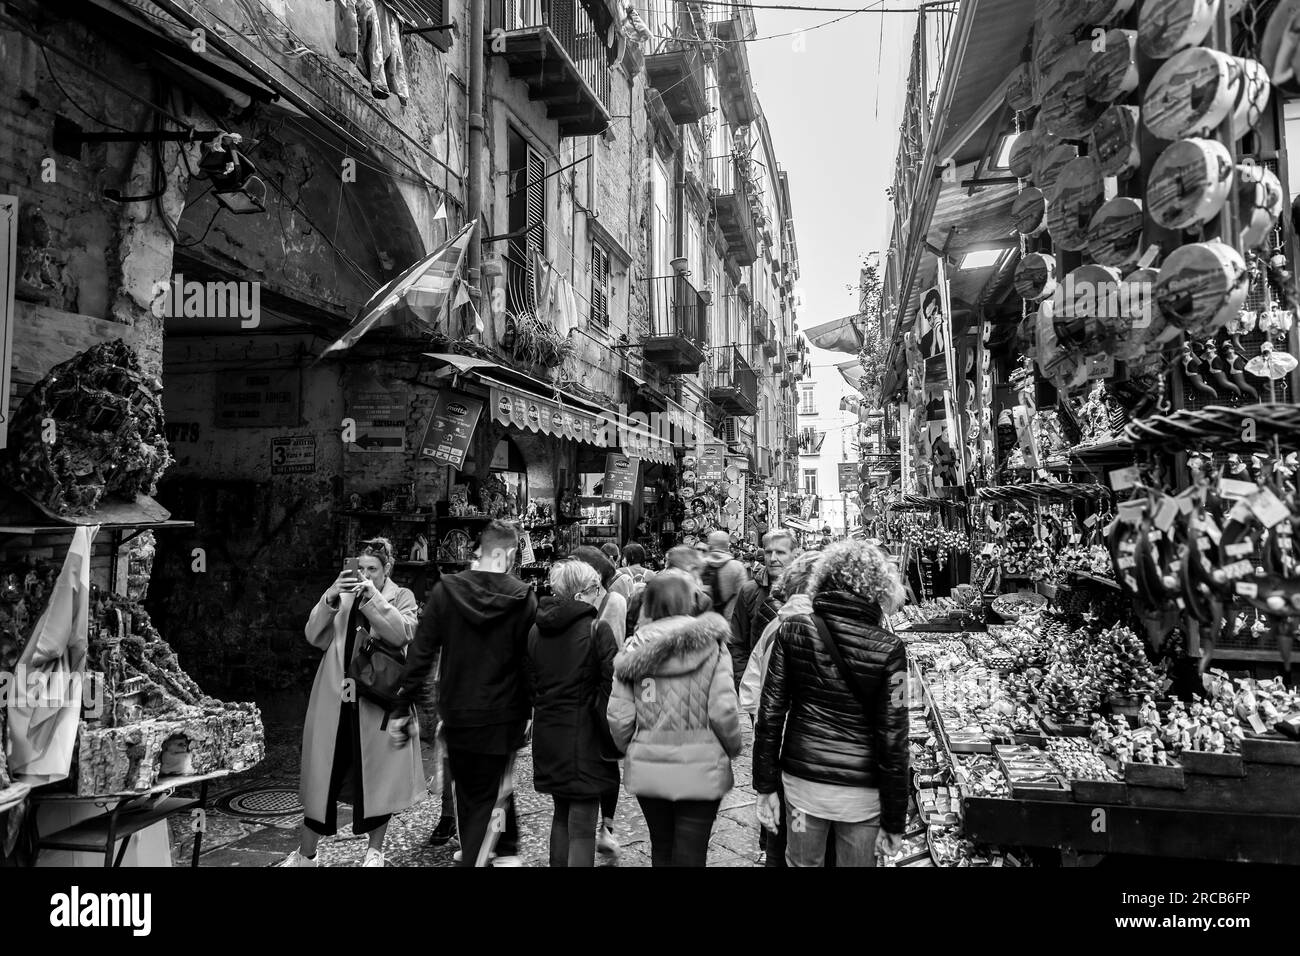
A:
(833, 98)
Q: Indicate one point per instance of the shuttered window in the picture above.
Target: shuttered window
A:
(527, 211)
(599, 286)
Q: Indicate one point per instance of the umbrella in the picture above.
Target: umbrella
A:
(1270, 364)
(842, 335)
(424, 288)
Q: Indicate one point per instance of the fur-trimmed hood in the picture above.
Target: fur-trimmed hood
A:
(670, 646)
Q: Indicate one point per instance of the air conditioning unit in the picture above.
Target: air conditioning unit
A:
(731, 430)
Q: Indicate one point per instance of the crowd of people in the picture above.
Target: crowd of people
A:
(623, 679)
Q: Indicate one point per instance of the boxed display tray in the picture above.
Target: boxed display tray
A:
(1271, 748)
(1154, 775)
(1099, 791)
(1212, 765)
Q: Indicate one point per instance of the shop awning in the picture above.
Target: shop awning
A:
(852, 372)
(798, 524)
(530, 404)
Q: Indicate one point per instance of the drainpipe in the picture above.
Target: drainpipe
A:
(474, 189)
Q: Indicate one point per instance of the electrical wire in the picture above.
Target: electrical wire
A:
(187, 245)
(49, 68)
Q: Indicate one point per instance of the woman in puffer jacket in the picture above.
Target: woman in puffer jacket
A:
(836, 743)
(674, 712)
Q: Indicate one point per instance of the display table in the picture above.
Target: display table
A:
(119, 817)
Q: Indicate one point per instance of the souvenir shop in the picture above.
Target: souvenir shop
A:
(1103, 434)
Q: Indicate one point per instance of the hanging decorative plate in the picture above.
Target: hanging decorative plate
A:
(1066, 110)
(1048, 50)
(1281, 43)
(1085, 308)
(1020, 91)
(689, 524)
(1201, 285)
(1053, 163)
(1080, 193)
(1191, 94)
(1029, 211)
(1189, 183)
(732, 473)
(733, 507)
(1115, 140)
(1023, 153)
(1112, 71)
(1138, 310)
(688, 477)
(689, 462)
(734, 490)
(1103, 12)
(1035, 277)
(1063, 16)
(1167, 26)
(690, 540)
(1115, 233)
(1251, 96)
(1259, 203)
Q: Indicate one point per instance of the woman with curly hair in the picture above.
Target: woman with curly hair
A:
(832, 720)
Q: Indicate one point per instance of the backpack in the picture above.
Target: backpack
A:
(713, 585)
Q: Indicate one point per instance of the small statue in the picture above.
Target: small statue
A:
(1149, 713)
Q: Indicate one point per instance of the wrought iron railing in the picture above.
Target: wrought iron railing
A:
(677, 309)
(571, 26)
(731, 370)
(671, 25)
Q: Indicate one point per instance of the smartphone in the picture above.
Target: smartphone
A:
(352, 568)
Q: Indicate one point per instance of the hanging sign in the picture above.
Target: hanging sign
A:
(267, 399)
(294, 455)
(621, 474)
(451, 427)
(380, 416)
(711, 462)
(850, 478)
(524, 410)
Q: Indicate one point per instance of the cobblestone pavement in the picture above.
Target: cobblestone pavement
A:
(235, 839)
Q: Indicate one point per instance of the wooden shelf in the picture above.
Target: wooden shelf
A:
(399, 515)
(24, 529)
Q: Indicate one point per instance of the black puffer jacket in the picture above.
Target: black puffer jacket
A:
(828, 738)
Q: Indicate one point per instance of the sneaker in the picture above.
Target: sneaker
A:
(374, 858)
(443, 832)
(459, 855)
(606, 842)
(506, 860)
(296, 858)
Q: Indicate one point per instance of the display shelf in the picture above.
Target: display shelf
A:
(397, 515)
(26, 529)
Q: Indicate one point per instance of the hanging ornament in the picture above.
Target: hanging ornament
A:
(1271, 364)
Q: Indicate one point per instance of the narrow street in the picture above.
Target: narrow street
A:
(253, 820)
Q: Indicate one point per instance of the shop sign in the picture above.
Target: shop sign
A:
(266, 399)
(293, 455)
(621, 474)
(711, 462)
(380, 417)
(451, 428)
(849, 477)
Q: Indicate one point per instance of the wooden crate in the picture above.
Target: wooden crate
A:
(1153, 775)
(1212, 765)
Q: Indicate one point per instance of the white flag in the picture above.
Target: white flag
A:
(442, 211)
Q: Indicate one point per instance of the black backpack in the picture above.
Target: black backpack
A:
(711, 582)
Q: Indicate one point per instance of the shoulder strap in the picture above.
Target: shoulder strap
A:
(833, 649)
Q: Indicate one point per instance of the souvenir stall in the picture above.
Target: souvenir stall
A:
(1134, 492)
(102, 727)
(712, 491)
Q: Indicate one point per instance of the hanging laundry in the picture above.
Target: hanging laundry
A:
(370, 55)
(395, 60)
(345, 28)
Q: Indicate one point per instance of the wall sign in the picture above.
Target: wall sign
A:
(849, 477)
(265, 399)
(380, 414)
(293, 455)
(451, 428)
(621, 476)
(711, 462)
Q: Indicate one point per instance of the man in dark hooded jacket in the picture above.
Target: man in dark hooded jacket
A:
(480, 619)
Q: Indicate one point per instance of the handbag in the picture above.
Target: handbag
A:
(842, 666)
(608, 749)
(376, 671)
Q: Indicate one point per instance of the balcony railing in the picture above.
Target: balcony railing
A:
(734, 199)
(556, 48)
(674, 62)
(735, 383)
(678, 326)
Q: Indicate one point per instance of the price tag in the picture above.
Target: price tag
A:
(1211, 529)
(1239, 549)
(1122, 478)
(1268, 509)
(1101, 365)
(1091, 521)
(1187, 500)
(1075, 539)
(1256, 724)
(1247, 589)
(1240, 512)
(1156, 535)
(1165, 514)
(1132, 511)
(1232, 488)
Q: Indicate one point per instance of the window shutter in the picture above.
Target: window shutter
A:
(536, 213)
(599, 286)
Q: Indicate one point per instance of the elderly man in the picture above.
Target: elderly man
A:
(755, 607)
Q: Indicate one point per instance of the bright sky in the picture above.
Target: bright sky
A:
(834, 108)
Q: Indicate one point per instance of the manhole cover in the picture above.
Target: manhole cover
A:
(261, 802)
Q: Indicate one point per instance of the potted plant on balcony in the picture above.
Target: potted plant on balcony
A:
(770, 348)
(679, 266)
(706, 295)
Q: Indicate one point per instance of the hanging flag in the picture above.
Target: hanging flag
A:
(424, 288)
(442, 211)
(478, 319)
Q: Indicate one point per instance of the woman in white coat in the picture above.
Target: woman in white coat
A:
(345, 754)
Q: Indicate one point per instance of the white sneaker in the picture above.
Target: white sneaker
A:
(506, 861)
(606, 842)
(296, 858)
(374, 858)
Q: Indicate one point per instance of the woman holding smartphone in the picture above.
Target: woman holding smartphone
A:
(346, 756)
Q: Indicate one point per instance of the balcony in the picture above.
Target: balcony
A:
(765, 332)
(735, 383)
(679, 325)
(739, 104)
(555, 47)
(733, 200)
(674, 65)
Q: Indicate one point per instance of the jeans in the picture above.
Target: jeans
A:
(573, 832)
(483, 821)
(807, 836)
(679, 830)
(608, 804)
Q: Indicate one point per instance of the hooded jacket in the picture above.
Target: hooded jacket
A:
(570, 665)
(750, 688)
(480, 621)
(674, 711)
(810, 724)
